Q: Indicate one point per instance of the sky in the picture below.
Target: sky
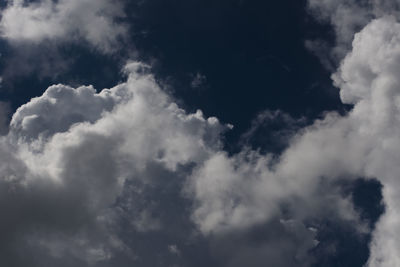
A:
(192, 133)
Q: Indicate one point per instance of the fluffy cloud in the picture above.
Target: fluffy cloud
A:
(347, 18)
(48, 38)
(89, 176)
(117, 176)
(248, 188)
(68, 158)
(47, 20)
(369, 79)
(125, 176)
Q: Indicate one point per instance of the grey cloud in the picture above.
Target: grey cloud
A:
(276, 243)
(42, 59)
(5, 111)
(62, 176)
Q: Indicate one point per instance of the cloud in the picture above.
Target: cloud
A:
(117, 176)
(5, 111)
(368, 78)
(125, 176)
(236, 192)
(69, 156)
(43, 39)
(347, 18)
(198, 80)
(94, 22)
(248, 192)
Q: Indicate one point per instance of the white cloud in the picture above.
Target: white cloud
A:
(84, 161)
(78, 165)
(65, 21)
(68, 155)
(76, 162)
(347, 18)
(239, 191)
(369, 79)
(42, 37)
(246, 189)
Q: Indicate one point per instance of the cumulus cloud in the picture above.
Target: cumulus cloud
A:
(347, 18)
(97, 178)
(68, 157)
(87, 176)
(117, 176)
(235, 192)
(369, 80)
